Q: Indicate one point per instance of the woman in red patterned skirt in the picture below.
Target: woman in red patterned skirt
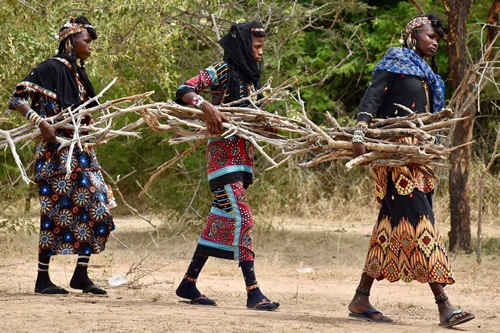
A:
(228, 233)
(406, 243)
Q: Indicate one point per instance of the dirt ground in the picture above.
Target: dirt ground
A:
(310, 265)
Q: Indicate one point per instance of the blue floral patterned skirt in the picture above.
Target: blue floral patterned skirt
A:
(75, 217)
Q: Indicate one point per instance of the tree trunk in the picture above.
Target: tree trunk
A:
(493, 21)
(460, 234)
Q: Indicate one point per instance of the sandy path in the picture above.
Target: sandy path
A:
(311, 302)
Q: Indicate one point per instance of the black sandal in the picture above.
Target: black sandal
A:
(94, 290)
(202, 300)
(265, 305)
(52, 290)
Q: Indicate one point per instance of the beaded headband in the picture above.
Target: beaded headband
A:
(417, 22)
(257, 30)
(71, 28)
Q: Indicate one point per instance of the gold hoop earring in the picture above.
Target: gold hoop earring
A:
(411, 43)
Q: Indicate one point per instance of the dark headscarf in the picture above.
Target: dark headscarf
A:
(405, 60)
(238, 54)
(53, 78)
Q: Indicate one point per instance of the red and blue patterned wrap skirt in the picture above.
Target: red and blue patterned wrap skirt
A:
(228, 233)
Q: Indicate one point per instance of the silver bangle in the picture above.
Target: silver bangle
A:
(358, 137)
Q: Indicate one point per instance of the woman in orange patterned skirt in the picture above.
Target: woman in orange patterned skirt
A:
(406, 243)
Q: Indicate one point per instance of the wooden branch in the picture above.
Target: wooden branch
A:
(168, 164)
(332, 121)
(417, 6)
(71, 119)
(17, 159)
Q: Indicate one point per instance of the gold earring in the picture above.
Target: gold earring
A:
(68, 46)
(411, 43)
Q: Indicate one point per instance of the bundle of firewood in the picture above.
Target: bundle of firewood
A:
(317, 144)
(381, 142)
(98, 132)
(259, 127)
(186, 124)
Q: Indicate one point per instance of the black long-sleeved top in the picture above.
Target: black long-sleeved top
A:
(388, 88)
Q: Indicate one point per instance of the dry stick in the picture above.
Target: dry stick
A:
(195, 193)
(29, 131)
(327, 157)
(259, 148)
(76, 133)
(245, 134)
(98, 134)
(444, 123)
(76, 139)
(217, 31)
(16, 180)
(167, 164)
(428, 117)
(275, 94)
(136, 268)
(331, 142)
(17, 159)
(133, 97)
(332, 121)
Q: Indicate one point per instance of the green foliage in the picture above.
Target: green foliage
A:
(331, 47)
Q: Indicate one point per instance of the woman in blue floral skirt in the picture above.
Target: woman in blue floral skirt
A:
(75, 215)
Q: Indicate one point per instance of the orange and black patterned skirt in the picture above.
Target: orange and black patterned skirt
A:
(406, 243)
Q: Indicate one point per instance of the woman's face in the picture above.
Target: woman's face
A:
(258, 48)
(427, 41)
(82, 45)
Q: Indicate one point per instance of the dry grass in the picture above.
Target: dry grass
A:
(156, 260)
